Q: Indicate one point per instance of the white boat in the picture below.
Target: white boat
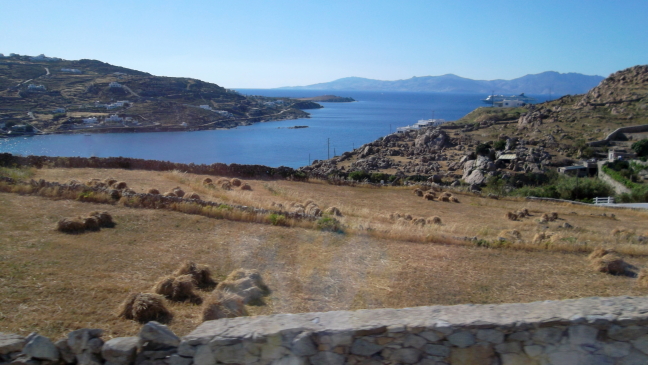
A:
(492, 99)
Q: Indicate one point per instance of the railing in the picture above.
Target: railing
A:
(606, 200)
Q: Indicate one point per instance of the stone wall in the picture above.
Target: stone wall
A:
(618, 187)
(582, 331)
(613, 135)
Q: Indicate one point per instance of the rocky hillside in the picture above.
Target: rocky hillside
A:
(55, 95)
(497, 141)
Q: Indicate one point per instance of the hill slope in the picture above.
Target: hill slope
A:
(542, 83)
(44, 87)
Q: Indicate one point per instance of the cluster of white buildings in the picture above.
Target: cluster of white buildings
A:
(111, 119)
(115, 85)
(273, 104)
(421, 123)
(115, 105)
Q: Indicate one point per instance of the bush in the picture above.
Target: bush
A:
(358, 175)
(277, 219)
(568, 188)
(641, 147)
(329, 224)
(483, 148)
(499, 145)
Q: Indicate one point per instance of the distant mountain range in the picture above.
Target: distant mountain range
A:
(549, 82)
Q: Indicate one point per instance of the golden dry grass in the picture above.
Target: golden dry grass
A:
(55, 283)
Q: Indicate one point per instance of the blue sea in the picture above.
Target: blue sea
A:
(332, 130)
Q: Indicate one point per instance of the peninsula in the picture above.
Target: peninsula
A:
(329, 99)
(50, 95)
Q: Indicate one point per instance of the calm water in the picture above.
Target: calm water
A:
(348, 125)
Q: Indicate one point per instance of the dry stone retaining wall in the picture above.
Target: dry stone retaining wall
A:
(582, 331)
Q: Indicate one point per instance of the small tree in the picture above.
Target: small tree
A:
(641, 147)
(482, 148)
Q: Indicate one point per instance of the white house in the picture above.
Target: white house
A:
(114, 118)
(91, 120)
(115, 85)
(72, 70)
(206, 107)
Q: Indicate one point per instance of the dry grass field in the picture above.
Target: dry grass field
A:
(54, 282)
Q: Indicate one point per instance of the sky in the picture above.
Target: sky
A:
(268, 44)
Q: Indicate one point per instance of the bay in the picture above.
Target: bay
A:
(336, 128)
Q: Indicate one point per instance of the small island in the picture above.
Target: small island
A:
(329, 99)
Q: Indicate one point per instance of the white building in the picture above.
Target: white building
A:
(91, 120)
(509, 103)
(59, 110)
(224, 113)
(115, 85)
(206, 107)
(72, 70)
(114, 118)
(430, 122)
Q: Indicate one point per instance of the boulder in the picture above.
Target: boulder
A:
(120, 350)
(476, 177)
(40, 347)
(158, 335)
(11, 343)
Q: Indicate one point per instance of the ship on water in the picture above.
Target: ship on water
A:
(493, 99)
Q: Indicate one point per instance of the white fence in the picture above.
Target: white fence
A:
(606, 200)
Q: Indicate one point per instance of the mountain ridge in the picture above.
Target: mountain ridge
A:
(548, 82)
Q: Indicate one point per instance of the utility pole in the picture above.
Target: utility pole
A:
(328, 145)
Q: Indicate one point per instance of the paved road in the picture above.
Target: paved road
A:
(628, 205)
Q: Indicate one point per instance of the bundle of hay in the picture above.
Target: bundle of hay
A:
(207, 181)
(511, 216)
(610, 263)
(90, 223)
(103, 218)
(549, 217)
(553, 216)
(235, 182)
(444, 198)
(524, 212)
(178, 192)
(110, 181)
(71, 225)
(73, 182)
(226, 185)
(394, 216)
(201, 274)
(120, 185)
(511, 234)
(193, 196)
(600, 252)
(145, 307)
(446, 194)
(418, 192)
(223, 305)
(429, 196)
(178, 289)
(418, 221)
(539, 237)
(402, 222)
(454, 199)
(247, 284)
(434, 220)
(153, 191)
(115, 194)
(277, 205)
(246, 186)
(333, 211)
(93, 182)
(407, 217)
(313, 210)
(169, 193)
(642, 278)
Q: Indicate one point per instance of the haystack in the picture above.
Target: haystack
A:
(429, 196)
(444, 198)
(314, 210)
(201, 274)
(145, 307)
(642, 278)
(333, 211)
(434, 220)
(93, 182)
(600, 252)
(235, 182)
(169, 193)
(454, 199)
(193, 196)
(418, 192)
(207, 181)
(110, 181)
(511, 216)
(246, 186)
(539, 237)
(394, 216)
(223, 305)
(71, 225)
(610, 263)
(178, 192)
(407, 217)
(446, 194)
(524, 211)
(277, 205)
(247, 284)
(91, 223)
(178, 289)
(120, 185)
(153, 191)
(226, 185)
(511, 233)
(103, 218)
(418, 221)
(553, 216)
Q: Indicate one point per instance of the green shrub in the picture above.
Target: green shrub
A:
(499, 145)
(641, 147)
(277, 219)
(330, 224)
(359, 175)
(482, 148)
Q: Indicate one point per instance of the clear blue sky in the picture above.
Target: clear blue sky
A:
(265, 44)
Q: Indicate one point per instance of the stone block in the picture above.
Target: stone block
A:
(437, 350)
(534, 351)
(414, 341)
(303, 345)
(41, 348)
(158, 334)
(364, 348)
(474, 355)
(406, 356)
(64, 351)
(204, 356)
(327, 358)
(616, 349)
(582, 335)
(176, 359)
(120, 350)
(462, 339)
(626, 333)
(641, 344)
(233, 354)
(492, 336)
(517, 359)
(509, 348)
(11, 343)
(548, 335)
(431, 336)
